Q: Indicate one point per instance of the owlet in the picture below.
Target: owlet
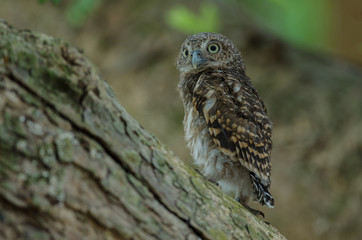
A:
(226, 125)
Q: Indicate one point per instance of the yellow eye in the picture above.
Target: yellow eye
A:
(185, 52)
(213, 48)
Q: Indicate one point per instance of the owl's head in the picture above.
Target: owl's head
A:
(204, 50)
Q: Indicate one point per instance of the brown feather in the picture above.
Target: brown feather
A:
(252, 138)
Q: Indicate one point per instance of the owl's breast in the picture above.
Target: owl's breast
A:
(210, 160)
(196, 136)
(206, 155)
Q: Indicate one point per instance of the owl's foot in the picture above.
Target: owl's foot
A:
(257, 213)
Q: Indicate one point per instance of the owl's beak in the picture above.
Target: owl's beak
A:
(197, 59)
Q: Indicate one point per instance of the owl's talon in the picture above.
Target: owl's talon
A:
(243, 201)
(257, 213)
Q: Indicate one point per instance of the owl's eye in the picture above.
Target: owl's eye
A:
(185, 53)
(213, 48)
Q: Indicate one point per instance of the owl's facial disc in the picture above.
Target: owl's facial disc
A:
(197, 60)
(208, 51)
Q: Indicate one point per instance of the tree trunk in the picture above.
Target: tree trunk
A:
(75, 165)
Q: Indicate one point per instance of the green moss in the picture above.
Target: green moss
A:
(145, 193)
(65, 146)
(238, 219)
(31, 99)
(186, 204)
(216, 234)
(134, 199)
(191, 171)
(54, 117)
(119, 127)
(131, 156)
(144, 140)
(160, 162)
(257, 233)
(26, 60)
(199, 185)
(7, 50)
(40, 201)
(58, 89)
(15, 124)
(66, 69)
(6, 139)
(8, 160)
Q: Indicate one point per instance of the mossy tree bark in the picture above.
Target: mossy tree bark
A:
(75, 165)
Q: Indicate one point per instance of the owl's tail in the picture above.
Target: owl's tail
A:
(261, 191)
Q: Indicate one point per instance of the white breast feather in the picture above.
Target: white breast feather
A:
(214, 165)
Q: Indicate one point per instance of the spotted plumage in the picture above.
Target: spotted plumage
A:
(226, 124)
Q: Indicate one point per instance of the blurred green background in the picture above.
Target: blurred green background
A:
(304, 57)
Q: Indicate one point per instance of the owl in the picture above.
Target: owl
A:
(226, 125)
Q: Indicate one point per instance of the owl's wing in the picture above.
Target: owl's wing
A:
(237, 121)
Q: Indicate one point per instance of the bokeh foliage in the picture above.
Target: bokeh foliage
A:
(78, 11)
(53, 1)
(183, 19)
(305, 23)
